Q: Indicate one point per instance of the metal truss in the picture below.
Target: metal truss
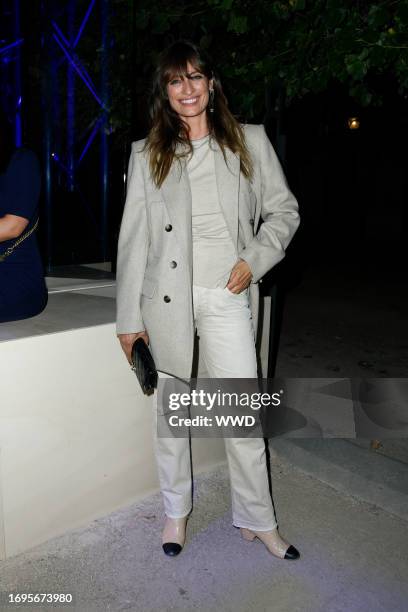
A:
(10, 64)
(62, 42)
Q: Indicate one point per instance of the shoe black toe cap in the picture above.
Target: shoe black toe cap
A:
(292, 553)
(172, 549)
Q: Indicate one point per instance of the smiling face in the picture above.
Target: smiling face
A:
(189, 93)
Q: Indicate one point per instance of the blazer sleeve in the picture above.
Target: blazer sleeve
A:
(132, 251)
(279, 211)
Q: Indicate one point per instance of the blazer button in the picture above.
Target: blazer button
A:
(251, 221)
(166, 298)
(173, 264)
(168, 227)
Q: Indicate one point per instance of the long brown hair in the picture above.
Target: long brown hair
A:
(167, 128)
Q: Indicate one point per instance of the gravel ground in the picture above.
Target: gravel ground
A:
(351, 556)
(350, 321)
(346, 322)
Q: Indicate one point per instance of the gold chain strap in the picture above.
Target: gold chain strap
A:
(11, 248)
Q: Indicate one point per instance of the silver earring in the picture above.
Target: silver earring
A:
(211, 101)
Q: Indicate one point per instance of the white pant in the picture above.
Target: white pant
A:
(227, 346)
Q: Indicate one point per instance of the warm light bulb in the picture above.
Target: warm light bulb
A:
(354, 123)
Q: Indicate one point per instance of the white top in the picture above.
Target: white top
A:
(214, 253)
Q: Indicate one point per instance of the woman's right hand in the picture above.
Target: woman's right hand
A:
(127, 340)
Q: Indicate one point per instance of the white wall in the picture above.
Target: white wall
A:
(75, 435)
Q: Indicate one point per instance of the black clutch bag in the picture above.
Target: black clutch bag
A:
(143, 366)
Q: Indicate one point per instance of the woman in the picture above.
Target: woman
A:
(189, 258)
(23, 292)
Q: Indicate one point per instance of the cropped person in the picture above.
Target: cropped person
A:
(23, 292)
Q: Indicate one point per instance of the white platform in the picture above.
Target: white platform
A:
(75, 429)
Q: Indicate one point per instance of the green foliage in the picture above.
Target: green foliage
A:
(297, 46)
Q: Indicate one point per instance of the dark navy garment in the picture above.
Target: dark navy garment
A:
(23, 292)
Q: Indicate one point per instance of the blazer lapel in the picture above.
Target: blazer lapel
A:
(176, 193)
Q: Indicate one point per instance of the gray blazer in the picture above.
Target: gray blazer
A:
(153, 293)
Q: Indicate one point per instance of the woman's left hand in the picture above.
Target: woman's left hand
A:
(240, 277)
